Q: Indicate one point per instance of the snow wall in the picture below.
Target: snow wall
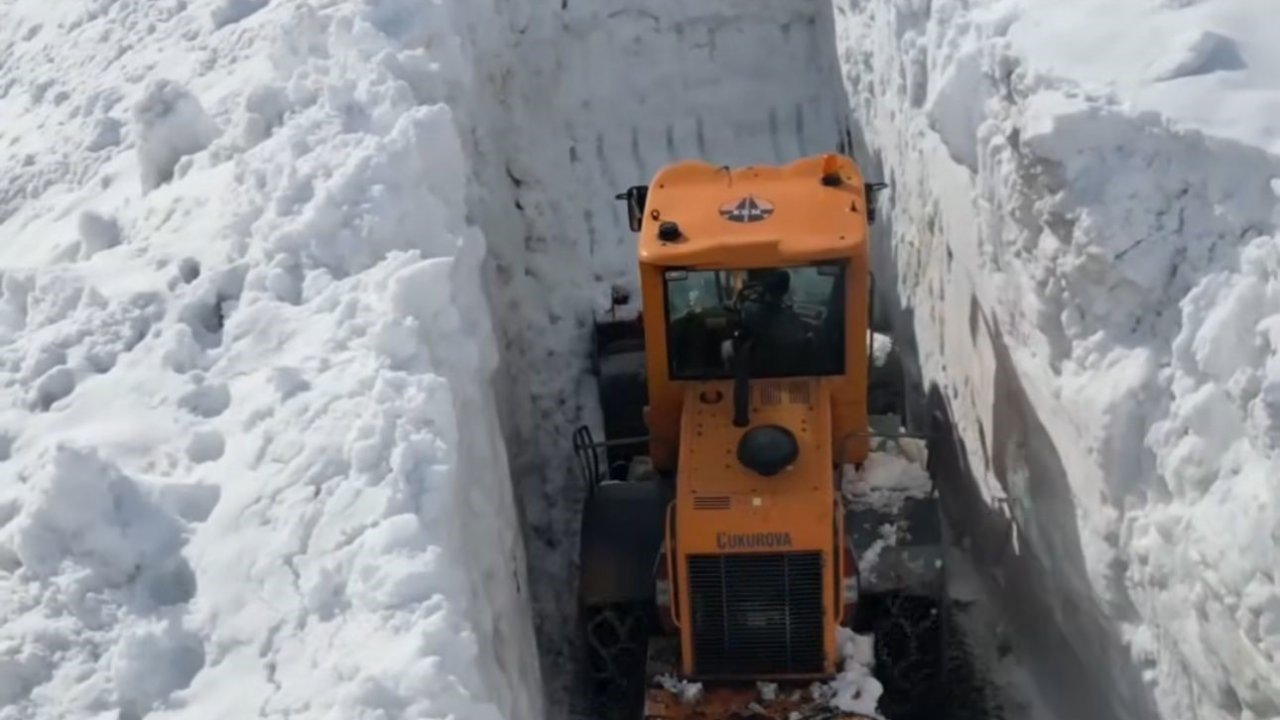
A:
(251, 461)
(1083, 220)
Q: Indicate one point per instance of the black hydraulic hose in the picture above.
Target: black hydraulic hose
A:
(741, 383)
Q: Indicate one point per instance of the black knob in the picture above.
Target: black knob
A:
(768, 449)
(668, 232)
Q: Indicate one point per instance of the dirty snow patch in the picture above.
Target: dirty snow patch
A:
(688, 691)
(881, 348)
(855, 689)
(887, 479)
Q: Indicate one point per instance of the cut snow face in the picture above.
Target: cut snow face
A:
(1084, 224)
(254, 466)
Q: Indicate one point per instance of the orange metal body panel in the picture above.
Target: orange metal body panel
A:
(792, 511)
(810, 222)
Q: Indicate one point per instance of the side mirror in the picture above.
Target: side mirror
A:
(635, 197)
(873, 190)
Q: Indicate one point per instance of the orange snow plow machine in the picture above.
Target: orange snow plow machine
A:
(718, 556)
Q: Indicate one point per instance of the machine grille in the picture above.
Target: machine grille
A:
(757, 614)
(770, 395)
(799, 393)
(711, 502)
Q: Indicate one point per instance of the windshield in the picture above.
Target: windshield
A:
(793, 318)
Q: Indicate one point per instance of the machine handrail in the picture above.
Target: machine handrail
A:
(585, 446)
(671, 563)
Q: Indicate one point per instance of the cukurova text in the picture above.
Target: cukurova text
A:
(752, 541)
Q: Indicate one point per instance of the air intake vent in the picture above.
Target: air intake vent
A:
(795, 393)
(798, 393)
(770, 395)
(711, 502)
(756, 614)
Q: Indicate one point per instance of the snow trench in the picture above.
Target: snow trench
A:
(1067, 273)
(584, 100)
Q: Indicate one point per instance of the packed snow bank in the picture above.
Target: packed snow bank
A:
(254, 465)
(1207, 65)
(1084, 218)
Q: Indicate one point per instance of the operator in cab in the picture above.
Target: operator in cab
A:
(756, 310)
(778, 339)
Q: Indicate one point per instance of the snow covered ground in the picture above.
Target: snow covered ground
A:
(252, 464)
(1085, 216)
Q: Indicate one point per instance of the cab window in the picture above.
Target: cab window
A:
(791, 317)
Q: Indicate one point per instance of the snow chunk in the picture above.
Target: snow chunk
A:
(171, 124)
(155, 659)
(265, 107)
(688, 691)
(870, 558)
(393, 567)
(106, 134)
(182, 353)
(855, 689)
(1199, 53)
(207, 400)
(206, 446)
(53, 386)
(881, 347)
(85, 511)
(97, 233)
(888, 478)
(229, 12)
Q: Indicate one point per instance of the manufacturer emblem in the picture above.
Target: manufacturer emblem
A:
(753, 541)
(747, 210)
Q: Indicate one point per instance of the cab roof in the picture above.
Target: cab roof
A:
(755, 216)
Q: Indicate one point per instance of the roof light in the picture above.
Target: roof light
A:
(831, 171)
